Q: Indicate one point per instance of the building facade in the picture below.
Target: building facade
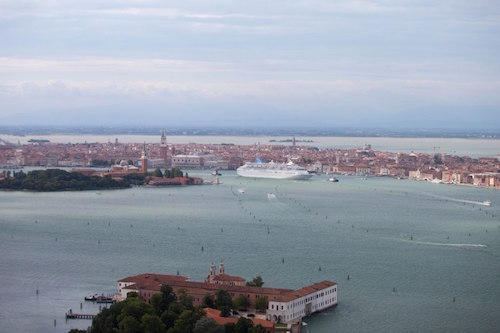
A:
(293, 306)
(285, 306)
(187, 161)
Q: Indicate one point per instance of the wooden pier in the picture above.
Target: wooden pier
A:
(71, 315)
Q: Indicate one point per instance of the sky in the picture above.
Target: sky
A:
(384, 63)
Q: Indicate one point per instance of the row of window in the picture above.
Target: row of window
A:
(315, 307)
(306, 300)
(277, 307)
(326, 302)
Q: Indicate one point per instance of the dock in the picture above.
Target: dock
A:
(71, 315)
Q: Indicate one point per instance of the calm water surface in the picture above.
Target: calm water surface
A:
(404, 245)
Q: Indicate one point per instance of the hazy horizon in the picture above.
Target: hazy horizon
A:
(241, 131)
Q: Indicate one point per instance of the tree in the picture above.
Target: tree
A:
(152, 324)
(167, 296)
(106, 321)
(243, 325)
(208, 301)
(187, 319)
(241, 302)
(176, 172)
(136, 308)
(168, 318)
(258, 329)
(129, 324)
(157, 173)
(207, 325)
(162, 301)
(261, 303)
(176, 307)
(156, 301)
(20, 175)
(185, 299)
(224, 302)
(229, 328)
(57, 180)
(132, 294)
(438, 159)
(256, 282)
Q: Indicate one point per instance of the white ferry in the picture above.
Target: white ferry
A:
(273, 170)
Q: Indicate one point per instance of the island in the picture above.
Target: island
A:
(59, 180)
(51, 180)
(222, 303)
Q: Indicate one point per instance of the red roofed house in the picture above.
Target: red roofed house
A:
(215, 315)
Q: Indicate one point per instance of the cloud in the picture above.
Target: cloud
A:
(285, 57)
(106, 64)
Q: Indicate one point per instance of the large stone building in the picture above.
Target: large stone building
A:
(188, 161)
(286, 306)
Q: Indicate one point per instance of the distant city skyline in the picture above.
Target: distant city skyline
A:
(325, 64)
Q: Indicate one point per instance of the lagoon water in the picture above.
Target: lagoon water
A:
(404, 245)
(451, 146)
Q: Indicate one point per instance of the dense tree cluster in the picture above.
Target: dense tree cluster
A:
(256, 282)
(166, 313)
(59, 180)
(172, 173)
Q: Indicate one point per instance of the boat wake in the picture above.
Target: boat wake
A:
(481, 203)
(271, 196)
(447, 244)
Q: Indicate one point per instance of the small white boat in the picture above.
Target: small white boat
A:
(333, 180)
(487, 203)
(271, 196)
(241, 190)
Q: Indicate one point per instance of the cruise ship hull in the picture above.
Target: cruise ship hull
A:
(273, 174)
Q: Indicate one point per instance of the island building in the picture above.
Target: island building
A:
(164, 147)
(144, 160)
(222, 278)
(285, 306)
(188, 161)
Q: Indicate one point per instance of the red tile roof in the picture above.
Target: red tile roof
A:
(215, 314)
(153, 282)
(306, 290)
(227, 277)
(158, 278)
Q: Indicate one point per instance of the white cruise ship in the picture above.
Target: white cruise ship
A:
(273, 170)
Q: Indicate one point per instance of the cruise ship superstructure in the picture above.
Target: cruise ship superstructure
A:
(273, 170)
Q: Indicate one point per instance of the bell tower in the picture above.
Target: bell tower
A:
(163, 147)
(144, 159)
(211, 275)
(221, 268)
